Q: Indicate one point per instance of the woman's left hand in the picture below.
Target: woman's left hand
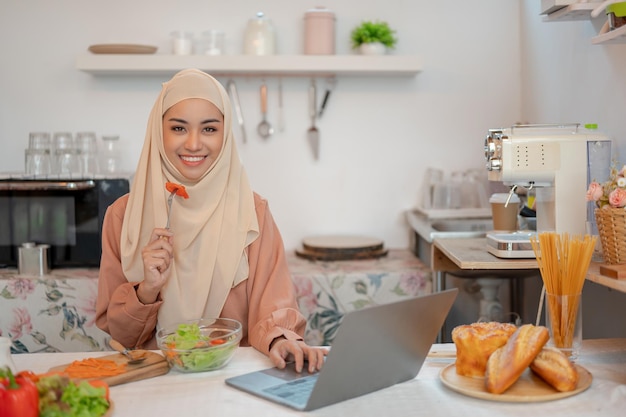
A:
(284, 350)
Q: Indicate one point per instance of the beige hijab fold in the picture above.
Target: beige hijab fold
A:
(211, 228)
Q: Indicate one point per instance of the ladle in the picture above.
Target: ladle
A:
(134, 356)
(264, 129)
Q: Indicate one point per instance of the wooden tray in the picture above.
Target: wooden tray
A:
(341, 248)
(321, 256)
(122, 48)
(529, 387)
(154, 365)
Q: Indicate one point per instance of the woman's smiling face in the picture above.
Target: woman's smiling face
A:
(193, 136)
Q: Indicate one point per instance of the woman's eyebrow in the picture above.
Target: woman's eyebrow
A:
(183, 121)
(174, 119)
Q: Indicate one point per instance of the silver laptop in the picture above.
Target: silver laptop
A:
(374, 348)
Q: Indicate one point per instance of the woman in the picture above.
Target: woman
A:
(223, 255)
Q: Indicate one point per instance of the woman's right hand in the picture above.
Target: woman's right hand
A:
(157, 256)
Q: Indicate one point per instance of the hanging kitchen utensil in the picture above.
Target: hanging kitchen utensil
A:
(330, 85)
(313, 135)
(281, 119)
(232, 87)
(264, 129)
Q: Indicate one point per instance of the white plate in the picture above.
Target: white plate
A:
(122, 48)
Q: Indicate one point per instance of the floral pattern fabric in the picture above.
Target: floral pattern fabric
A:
(328, 290)
(56, 312)
(51, 313)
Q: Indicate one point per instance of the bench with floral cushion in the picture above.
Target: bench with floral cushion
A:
(51, 313)
(327, 290)
(56, 312)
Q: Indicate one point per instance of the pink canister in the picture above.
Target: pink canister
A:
(319, 31)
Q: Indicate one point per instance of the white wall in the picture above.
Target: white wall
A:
(568, 79)
(378, 134)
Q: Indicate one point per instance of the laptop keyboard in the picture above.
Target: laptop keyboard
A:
(297, 391)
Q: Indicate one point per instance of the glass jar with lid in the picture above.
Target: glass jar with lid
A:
(260, 36)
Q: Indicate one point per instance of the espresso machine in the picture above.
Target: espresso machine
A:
(558, 162)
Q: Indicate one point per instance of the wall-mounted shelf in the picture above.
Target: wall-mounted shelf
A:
(233, 65)
(582, 11)
(577, 11)
(614, 36)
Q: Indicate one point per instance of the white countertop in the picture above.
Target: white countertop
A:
(206, 394)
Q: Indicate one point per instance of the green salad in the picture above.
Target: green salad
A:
(61, 397)
(189, 349)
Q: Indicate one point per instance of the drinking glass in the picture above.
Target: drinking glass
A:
(39, 140)
(37, 162)
(109, 155)
(87, 151)
(564, 321)
(66, 161)
(37, 156)
(212, 42)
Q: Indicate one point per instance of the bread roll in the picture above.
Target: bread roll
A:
(556, 369)
(476, 342)
(507, 363)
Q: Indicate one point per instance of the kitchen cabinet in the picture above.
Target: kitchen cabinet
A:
(582, 11)
(248, 65)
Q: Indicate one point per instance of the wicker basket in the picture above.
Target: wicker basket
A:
(612, 229)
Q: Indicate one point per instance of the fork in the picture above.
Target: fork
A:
(169, 208)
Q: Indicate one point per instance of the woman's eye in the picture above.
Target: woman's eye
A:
(178, 128)
(210, 129)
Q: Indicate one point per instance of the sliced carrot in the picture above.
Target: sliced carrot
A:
(94, 368)
(179, 189)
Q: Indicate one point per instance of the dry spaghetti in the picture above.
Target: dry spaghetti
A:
(563, 262)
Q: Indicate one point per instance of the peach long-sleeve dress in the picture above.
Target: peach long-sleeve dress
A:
(265, 303)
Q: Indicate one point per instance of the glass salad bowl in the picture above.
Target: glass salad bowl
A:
(200, 345)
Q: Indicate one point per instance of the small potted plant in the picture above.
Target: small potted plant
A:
(373, 37)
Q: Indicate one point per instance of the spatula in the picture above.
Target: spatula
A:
(313, 135)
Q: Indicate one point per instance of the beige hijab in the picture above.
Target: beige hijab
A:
(211, 228)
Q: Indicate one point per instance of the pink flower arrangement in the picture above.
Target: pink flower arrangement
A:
(612, 192)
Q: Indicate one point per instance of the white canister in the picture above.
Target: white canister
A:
(33, 259)
(260, 36)
(319, 32)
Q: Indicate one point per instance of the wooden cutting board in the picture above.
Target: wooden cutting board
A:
(613, 271)
(154, 365)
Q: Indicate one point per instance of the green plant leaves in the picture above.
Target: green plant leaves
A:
(370, 32)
